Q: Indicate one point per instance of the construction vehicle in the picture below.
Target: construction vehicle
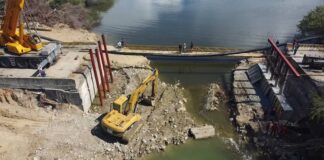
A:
(19, 49)
(313, 61)
(123, 120)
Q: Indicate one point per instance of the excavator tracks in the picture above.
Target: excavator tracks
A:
(13, 61)
(132, 131)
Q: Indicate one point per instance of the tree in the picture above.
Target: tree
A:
(313, 23)
(317, 112)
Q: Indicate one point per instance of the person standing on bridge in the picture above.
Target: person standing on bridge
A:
(123, 43)
(41, 72)
(191, 46)
(184, 47)
(296, 48)
(294, 44)
(180, 48)
(119, 44)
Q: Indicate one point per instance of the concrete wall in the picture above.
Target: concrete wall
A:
(298, 94)
(37, 83)
(64, 96)
(60, 90)
(277, 101)
(87, 88)
(80, 91)
(296, 99)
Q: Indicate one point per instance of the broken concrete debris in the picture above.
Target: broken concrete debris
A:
(215, 97)
(206, 131)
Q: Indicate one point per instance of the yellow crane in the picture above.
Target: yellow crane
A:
(123, 116)
(15, 43)
(13, 39)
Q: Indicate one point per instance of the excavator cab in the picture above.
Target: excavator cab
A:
(120, 104)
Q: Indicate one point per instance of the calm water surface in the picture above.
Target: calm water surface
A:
(195, 77)
(221, 23)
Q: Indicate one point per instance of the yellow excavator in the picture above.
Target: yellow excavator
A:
(122, 121)
(13, 39)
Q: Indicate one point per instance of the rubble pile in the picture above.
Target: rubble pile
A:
(60, 131)
(215, 97)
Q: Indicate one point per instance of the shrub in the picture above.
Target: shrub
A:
(317, 112)
(74, 13)
(313, 23)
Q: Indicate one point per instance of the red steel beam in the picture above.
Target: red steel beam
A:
(100, 71)
(96, 75)
(284, 58)
(104, 66)
(107, 57)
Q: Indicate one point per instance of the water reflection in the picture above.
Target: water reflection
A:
(224, 23)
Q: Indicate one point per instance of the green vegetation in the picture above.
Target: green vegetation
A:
(91, 10)
(96, 9)
(317, 112)
(58, 3)
(313, 23)
(101, 5)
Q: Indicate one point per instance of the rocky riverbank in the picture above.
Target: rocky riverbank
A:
(264, 135)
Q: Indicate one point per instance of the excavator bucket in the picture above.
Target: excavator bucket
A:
(148, 101)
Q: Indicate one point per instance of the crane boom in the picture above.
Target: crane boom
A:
(11, 18)
(16, 41)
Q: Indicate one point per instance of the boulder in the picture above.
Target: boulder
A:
(202, 132)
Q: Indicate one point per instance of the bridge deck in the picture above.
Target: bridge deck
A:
(308, 50)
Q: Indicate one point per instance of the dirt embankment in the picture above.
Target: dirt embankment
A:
(64, 33)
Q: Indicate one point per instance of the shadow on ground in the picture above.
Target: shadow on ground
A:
(99, 132)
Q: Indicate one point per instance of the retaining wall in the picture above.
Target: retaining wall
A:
(80, 91)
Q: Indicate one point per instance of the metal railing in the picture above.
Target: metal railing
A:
(283, 57)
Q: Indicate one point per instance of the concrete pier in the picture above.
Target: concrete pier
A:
(271, 91)
(69, 80)
(276, 88)
(247, 100)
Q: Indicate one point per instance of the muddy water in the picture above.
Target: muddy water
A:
(195, 77)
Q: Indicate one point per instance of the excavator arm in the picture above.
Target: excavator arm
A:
(11, 19)
(141, 89)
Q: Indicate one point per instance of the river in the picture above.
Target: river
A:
(195, 76)
(220, 23)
